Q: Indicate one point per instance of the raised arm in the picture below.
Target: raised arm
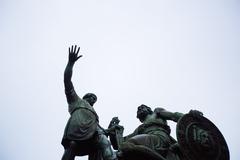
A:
(72, 58)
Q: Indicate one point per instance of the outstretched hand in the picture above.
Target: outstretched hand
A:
(73, 54)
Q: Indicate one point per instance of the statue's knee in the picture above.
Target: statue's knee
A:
(132, 140)
(139, 139)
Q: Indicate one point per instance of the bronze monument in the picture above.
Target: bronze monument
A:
(197, 137)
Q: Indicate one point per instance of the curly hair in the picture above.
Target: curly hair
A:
(149, 110)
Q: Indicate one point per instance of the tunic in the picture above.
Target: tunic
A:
(83, 121)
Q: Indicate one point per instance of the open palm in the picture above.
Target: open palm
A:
(73, 54)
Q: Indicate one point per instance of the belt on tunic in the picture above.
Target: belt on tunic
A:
(86, 109)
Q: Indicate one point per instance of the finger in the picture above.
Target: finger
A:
(78, 50)
(68, 49)
(75, 48)
(79, 57)
(72, 49)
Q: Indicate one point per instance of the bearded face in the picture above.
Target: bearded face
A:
(90, 98)
(142, 112)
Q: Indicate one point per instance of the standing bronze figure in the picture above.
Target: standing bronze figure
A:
(83, 135)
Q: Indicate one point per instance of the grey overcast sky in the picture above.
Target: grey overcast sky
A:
(180, 55)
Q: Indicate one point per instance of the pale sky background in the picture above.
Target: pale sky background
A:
(180, 55)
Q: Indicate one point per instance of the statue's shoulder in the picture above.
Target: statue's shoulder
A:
(159, 109)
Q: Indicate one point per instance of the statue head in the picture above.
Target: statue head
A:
(90, 98)
(143, 111)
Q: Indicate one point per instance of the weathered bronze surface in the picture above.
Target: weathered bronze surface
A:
(200, 139)
(83, 135)
(197, 137)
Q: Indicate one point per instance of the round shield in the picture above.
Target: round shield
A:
(200, 139)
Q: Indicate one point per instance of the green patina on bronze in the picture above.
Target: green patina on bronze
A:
(83, 135)
(197, 137)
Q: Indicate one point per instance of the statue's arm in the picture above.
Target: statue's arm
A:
(162, 113)
(69, 89)
(174, 116)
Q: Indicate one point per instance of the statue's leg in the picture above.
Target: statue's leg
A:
(151, 141)
(70, 152)
(159, 143)
(104, 146)
(95, 155)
